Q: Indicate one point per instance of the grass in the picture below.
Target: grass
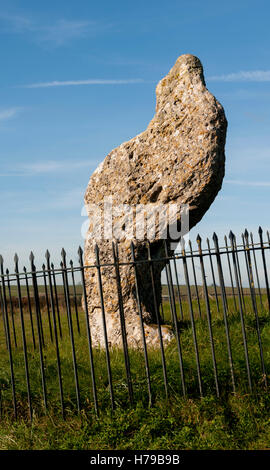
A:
(240, 422)
(233, 421)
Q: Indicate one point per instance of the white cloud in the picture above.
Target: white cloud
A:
(85, 82)
(248, 183)
(54, 201)
(58, 33)
(34, 201)
(243, 76)
(65, 30)
(8, 113)
(15, 23)
(50, 166)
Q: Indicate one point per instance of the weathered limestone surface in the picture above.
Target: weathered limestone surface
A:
(179, 159)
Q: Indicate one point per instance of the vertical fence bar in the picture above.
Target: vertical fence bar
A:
(39, 329)
(222, 285)
(247, 267)
(16, 260)
(230, 272)
(47, 301)
(146, 361)
(80, 253)
(195, 278)
(29, 306)
(108, 361)
(233, 248)
(65, 297)
(7, 329)
(254, 304)
(264, 267)
(162, 310)
(38, 306)
(224, 305)
(174, 315)
(3, 315)
(56, 299)
(213, 273)
(47, 256)
(170, 288)
(75, 296)
(178, 289)
(192, 320)
(208, 313)
(163, 360)
(256, 270)
(239, 273)
(122, 321)
(11, 308)
(70, 326)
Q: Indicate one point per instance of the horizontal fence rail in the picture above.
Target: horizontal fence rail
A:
(215, 297)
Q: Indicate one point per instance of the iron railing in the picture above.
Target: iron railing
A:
(45, 333)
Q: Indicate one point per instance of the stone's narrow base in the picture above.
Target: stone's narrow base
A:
(133, 332)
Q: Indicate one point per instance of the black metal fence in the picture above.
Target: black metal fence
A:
(216, 297)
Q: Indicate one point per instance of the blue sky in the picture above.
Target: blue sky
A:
(78, 78)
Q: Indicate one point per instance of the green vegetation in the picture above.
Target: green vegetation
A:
(240, 422)
(234, 421)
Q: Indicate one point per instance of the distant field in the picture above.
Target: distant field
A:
(230, 293)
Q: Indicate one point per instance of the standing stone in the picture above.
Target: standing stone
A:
(178, 160)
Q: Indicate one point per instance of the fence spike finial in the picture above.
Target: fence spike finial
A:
(215, 241)
(80, 255)
(80, 251)
(64, 257)
(1, 264)
(215, 237)
(198, 239)
(260, 230)
(246, 234)
(47, 255)
(16, 261)
(231, 235)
